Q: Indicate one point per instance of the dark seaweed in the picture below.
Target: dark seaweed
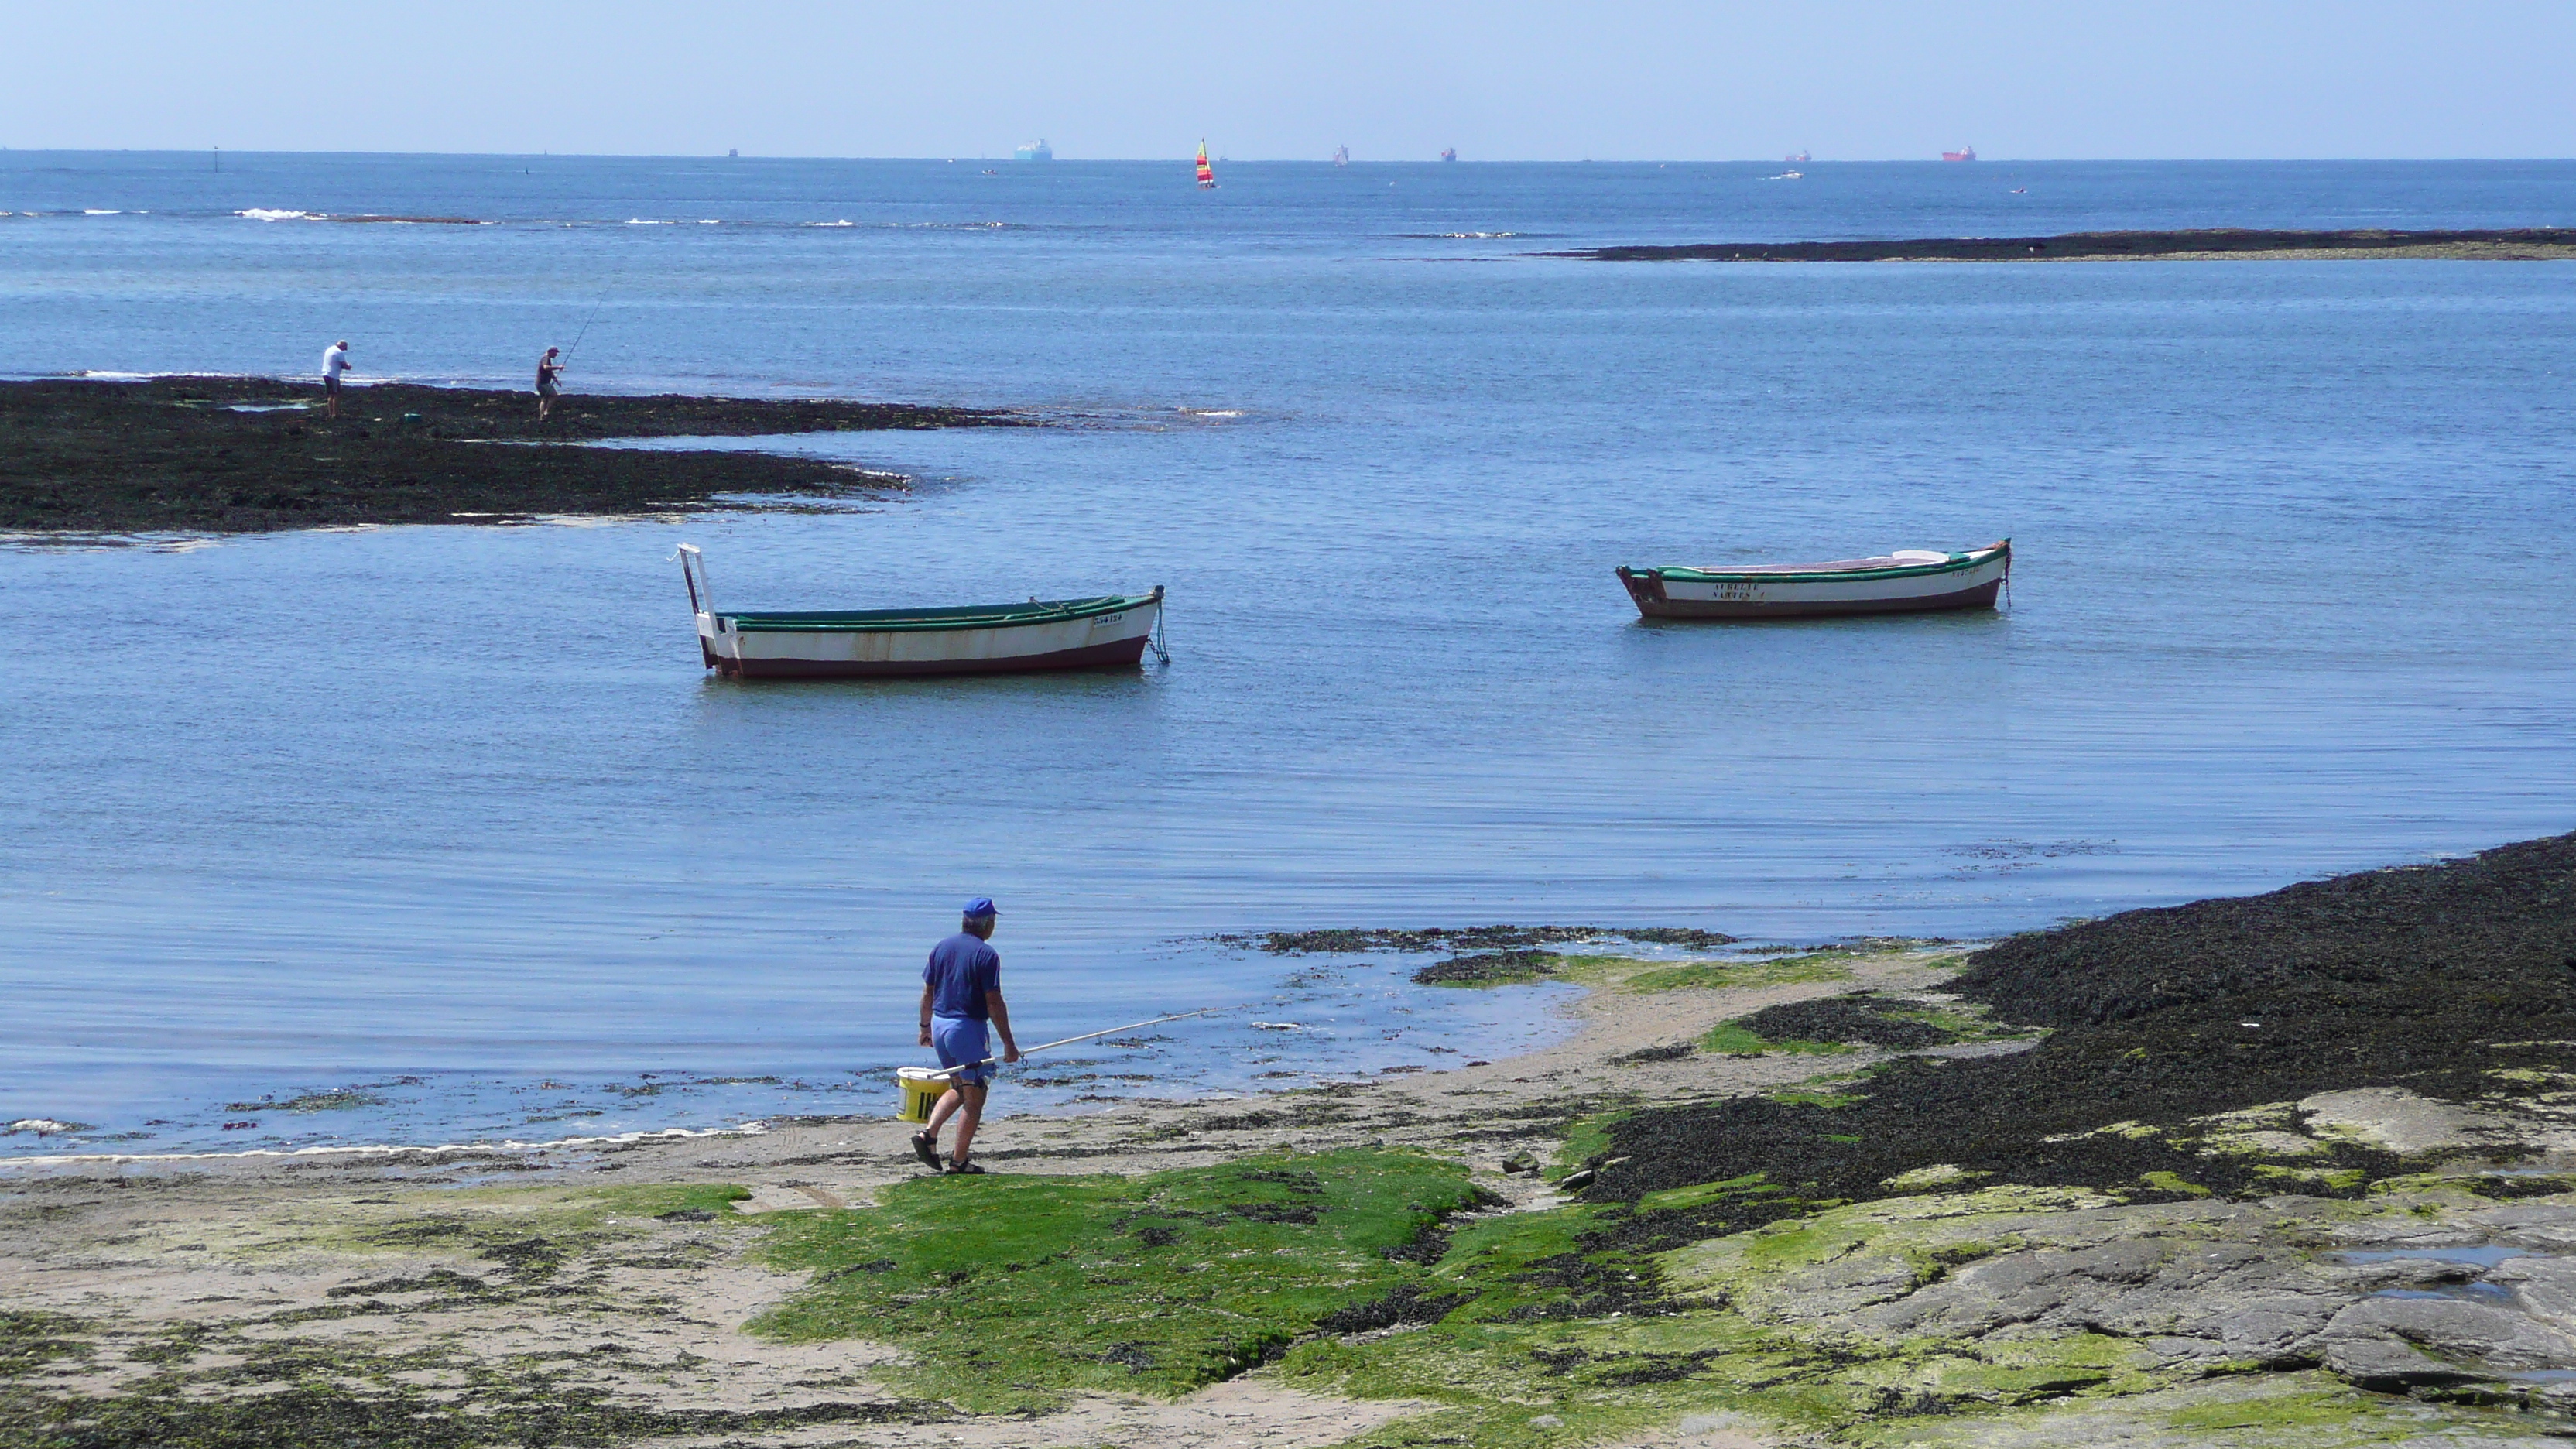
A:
(1489, 968)
(2071, 244)
(2429, 976)
(1465, 939)
(298, 1417)
(1844, 1018)
(1669, 1052)
(1434, 938)
(170, 455)
(1407, 1303)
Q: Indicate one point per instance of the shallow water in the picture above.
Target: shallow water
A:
(320, 810)
(2480, 1255)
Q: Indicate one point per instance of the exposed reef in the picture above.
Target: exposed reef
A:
(2515, 244)
(236, 455)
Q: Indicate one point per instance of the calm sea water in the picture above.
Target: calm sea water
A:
(452, 815)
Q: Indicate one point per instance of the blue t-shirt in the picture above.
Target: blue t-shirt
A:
(961, 970)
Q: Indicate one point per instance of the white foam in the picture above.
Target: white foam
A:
(709, 221)
(639, 221)
(95, 211)
(747, 1129)
(105, 374)
(264, 213)
(831, 223)
(42, 1126)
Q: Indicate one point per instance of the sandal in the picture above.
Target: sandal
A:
(965, 1169)
(926, 1147)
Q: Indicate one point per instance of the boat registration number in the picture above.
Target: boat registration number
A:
(1731, 592)
(1105, 620)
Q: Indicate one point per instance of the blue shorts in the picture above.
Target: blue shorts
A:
(960, 1040)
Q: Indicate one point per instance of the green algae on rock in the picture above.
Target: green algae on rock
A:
(1010, 1292)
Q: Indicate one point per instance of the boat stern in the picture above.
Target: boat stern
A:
(720, 645)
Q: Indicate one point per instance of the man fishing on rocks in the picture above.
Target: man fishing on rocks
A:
(961, 992)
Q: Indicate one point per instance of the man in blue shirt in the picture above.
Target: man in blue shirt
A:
(961, 990)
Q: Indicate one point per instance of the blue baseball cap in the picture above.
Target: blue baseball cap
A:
(980, 906)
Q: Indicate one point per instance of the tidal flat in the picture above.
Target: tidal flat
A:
(239, 455)
(2290, 1169)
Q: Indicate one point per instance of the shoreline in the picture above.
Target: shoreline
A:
(1599, 1024)
(200, 454)
(1742, 1205)
(2200, 244)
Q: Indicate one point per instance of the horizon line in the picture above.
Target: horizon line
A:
(734, 154)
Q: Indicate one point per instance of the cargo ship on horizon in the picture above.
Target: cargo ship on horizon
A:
(1964, 153)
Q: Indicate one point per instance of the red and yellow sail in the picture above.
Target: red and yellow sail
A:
(1207, 173)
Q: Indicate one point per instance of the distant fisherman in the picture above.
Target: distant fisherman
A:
(335, 361)
(547, 371)
(961, 990)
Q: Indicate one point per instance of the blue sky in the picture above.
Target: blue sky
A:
(1499, 80)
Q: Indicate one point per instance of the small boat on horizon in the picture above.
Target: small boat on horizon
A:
(1448, 153)
(1798, 157)
(1111, 631)
(1341, 155)
(1909, 580)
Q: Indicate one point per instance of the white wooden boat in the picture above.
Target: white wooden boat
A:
(1113, 630)
(1909, 580)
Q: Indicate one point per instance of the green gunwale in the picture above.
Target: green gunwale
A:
(1953, 564)
(969, 616)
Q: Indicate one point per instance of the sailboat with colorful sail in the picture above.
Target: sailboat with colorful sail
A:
(1207, 173)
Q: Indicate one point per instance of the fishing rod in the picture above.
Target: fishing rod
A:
(585, 324)
(1086, 1036)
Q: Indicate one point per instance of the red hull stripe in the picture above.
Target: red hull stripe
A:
(1126, 652)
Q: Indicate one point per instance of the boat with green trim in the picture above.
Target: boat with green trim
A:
(1110, 631)
(1910, 580)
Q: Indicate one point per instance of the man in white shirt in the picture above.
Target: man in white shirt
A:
(335, 360)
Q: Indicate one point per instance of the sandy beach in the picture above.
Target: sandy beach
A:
(372, 1257)
(2335, 1242)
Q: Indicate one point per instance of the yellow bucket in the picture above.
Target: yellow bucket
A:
(922, 1089)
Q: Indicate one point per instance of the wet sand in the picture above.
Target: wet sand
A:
(235, 455)
(2211, 244)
